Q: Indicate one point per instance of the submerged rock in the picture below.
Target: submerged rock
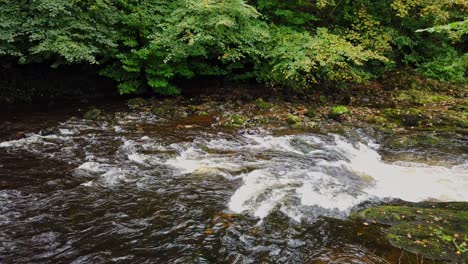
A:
(50, 131)
(302, 145)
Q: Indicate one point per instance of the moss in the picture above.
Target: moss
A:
(337, 111)
(452, 118)
(418, 97)
(237, 120)
(261, 104)
(378, 120)
(293, 120)
(407, 117)
(437, 232)
(463, 107)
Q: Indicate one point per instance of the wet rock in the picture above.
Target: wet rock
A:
(137, 102)
(203, 147)
(92, 114)
(20, 135)
(207, 171)
(248, 132)
(302, 145)
(50, 131)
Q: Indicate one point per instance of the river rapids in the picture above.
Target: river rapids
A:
(144, 191)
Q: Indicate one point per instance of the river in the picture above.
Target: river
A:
(141, 189)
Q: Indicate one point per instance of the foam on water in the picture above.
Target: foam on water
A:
(347, 176)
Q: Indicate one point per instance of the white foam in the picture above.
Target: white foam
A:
(349, 175)
(92, 167)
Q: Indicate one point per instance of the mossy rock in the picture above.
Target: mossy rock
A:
(408, 117)
(261, 104)
(92, 114)
(418, 97)
(137, 102)
(438, 232)
(293, 120)
(237, 120)
(452, 119)
(337, 111)
(164, 110)
(376, 119)
(192, 109)
(157, 110)
(413, 141)
(463, 107)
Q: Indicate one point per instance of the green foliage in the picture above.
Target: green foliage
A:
(299, 59)
(57, 30)
(183, 39)
(454, 30)
(295, 13)
(447, 67)
(150, 44)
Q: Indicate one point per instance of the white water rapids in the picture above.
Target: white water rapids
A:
(301, 175)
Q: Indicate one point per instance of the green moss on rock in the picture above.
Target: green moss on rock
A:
(261, 104)
(137, 102)
(237, 120)
(437, 231)
(407, 117)
(293, 120)
(337, 111)
(92, 114)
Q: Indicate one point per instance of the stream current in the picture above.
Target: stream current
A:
(143, 190)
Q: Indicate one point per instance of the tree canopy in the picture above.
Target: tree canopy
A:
(147, 44)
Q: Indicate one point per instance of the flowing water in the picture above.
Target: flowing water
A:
(147, 190)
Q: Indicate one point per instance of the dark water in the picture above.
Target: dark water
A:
(135, 188)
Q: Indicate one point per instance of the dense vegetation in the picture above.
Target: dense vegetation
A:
(296, 44)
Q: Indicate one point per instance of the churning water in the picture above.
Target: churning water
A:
(139, 190)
